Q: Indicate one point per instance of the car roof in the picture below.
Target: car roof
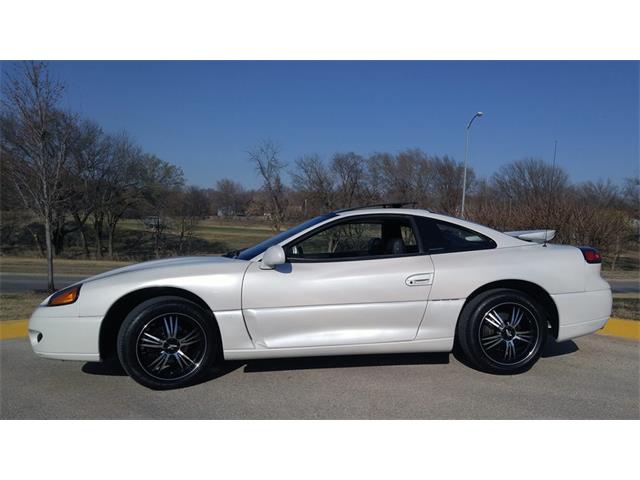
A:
(501, 239)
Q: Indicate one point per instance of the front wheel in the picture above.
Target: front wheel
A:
(502, 331)
(167, 342)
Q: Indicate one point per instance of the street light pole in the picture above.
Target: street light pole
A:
(466, 160)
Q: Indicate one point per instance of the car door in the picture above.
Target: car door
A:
(357, 280)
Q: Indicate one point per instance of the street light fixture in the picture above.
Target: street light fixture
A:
(466, 160)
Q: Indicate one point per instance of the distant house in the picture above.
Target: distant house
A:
(153, 222)
(226, 212)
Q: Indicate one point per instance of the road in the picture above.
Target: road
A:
(624, 286)
(26, 282)
(595, 377)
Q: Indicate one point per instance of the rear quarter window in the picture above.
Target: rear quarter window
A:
(444, 237)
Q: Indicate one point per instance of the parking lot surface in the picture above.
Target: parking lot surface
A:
(594, 377)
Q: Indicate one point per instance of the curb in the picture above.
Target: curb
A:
(13, 329)
(619, 327)
(615, 327)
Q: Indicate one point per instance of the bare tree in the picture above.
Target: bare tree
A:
(448, 175)
(228, 197)
(188, 207)
(38, 136)
(89, 168)
(315, 182)
(631, 196)
(534, 190)
(405, 177)
(351, 180)
(157, 180)
(265, 157)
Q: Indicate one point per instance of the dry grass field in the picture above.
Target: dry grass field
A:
(18, 306)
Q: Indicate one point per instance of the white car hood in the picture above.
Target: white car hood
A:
(165, 264)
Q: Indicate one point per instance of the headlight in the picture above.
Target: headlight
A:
(65, 296)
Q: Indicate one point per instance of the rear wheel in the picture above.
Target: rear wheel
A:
(167, 342)
(502, 331)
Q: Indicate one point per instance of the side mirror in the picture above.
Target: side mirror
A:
(272, 257)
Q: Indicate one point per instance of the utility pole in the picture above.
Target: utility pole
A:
(466, 160)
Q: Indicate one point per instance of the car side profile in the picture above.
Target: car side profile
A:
(371, 280)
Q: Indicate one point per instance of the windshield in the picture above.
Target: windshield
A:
(249, 253)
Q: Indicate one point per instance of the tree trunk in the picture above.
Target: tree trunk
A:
(58, 239)
(83, 234)
(616, 253)
(47, 232)
(83, 241)
(182, 231)
(36, 239)
(112, 231)
(157, 241)
(98, 228)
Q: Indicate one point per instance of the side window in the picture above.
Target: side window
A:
(444, 237)
(358, 238)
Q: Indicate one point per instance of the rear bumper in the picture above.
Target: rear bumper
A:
(59, 333)
(582, 313)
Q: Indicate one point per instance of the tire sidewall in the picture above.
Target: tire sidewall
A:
(470, 325)
(140, 316)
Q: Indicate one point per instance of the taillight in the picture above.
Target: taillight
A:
(591, 255)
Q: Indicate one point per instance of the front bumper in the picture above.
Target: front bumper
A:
(582, 313)
(60, 333)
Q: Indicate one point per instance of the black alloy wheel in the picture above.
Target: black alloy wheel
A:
(502, 331)
(168, 342)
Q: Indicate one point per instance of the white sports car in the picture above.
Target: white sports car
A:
(380, 279)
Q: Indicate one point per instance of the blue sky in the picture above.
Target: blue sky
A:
(203, 116)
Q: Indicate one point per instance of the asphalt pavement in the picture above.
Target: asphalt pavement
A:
(27, 282)
(624, 286)
(593, 377)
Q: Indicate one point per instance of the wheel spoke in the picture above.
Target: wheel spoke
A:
(171, 326)
(516, 316)
(190, 338)
(175, 327)
(510, 350)
(186, 357)
(524, 338)
(489, 342)
(494, 319)
(179, 361)
(150, 341)
(159, 362)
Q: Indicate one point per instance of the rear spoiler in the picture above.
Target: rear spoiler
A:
(537, 236)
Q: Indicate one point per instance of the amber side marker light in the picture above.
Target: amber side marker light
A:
(65, 296)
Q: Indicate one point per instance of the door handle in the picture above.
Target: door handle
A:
(419, 279)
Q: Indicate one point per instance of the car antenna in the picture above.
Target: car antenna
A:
(553, 174)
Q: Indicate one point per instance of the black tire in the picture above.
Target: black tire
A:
(487, 338)
(168, 342)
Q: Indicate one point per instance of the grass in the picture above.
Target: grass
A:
(627, 266)
(19, 306)
(61, 266)
(626, 306)
(233, 233)
(621, 275)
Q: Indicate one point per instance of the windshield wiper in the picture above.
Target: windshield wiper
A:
(232, 254)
